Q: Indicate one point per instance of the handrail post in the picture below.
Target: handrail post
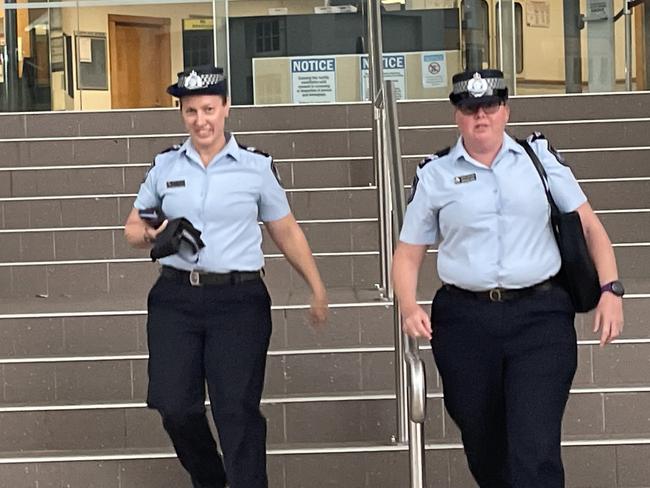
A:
(376, 80)
(396, 194)
(409, 368)
(628, 46)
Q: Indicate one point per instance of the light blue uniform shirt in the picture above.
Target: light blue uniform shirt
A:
(492, 223)
(224, 200)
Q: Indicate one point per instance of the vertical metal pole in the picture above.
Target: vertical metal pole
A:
(416, 455)
(376, 79)
(507, 43)
(12, 84)
(572, 46)
(221, 37)
(628, 46)
(401, 385)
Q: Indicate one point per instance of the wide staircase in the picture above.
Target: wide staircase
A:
(72, 299)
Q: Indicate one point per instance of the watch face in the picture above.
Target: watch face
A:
(617, 288)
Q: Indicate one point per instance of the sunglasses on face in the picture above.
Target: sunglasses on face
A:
(488, 108)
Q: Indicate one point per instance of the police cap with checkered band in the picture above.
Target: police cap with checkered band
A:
(475, 87)
(200, 80)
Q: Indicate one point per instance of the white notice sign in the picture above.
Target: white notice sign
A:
(434, 70)
(313, 80)
(394, 70)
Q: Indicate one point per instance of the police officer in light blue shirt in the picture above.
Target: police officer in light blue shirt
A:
(501, 325)
(209, 313)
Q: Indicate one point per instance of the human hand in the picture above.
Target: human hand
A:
(416, 322)
(608, 318)
(318, 309)
(150, 233)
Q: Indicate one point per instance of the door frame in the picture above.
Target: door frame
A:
(162, 22)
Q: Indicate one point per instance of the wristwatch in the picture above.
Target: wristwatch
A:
(616, 287)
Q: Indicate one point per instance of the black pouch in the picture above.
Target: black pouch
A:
(177, 233)
(153, 216)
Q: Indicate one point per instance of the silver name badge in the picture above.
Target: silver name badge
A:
(175, 184)
(465, 178)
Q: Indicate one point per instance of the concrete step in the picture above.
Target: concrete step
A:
(332, 236)
(586, 164)
(351, 465)
(40, 328)
(109, 243)
(537, 109)
(595, 416)
(360, 270)
(126, 148)
(157, 121)
(78, 279)
(578, 135)
(524, 108)
(312, 144)
(103, 209)
(125, 178)
(122, 377)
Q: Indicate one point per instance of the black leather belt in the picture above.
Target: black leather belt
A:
(504, 294)
(199, 278)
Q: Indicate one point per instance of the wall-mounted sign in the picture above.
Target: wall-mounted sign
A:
(197, 24)
(91, 61)
(434, 70)
(538, 13)
(313, 79)
(394, 70)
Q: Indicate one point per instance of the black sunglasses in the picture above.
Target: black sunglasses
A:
(488, 107)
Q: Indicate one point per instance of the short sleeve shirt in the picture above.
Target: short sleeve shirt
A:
(492, 224)
(224, 200)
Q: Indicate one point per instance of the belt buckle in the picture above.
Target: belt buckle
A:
(495, 295)
(195, 278)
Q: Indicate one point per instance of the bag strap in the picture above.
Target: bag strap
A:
(542, 174)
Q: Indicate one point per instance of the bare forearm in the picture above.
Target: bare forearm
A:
(406, 268)
(600, 247)
(136, 236)
(294, 246)
(601, 251)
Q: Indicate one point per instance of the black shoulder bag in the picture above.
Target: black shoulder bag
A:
(578, 273)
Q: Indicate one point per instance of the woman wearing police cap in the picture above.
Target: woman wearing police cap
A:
(501, 326)
(209, 316)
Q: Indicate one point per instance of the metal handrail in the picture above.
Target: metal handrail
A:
(409, 367)
(376, 90)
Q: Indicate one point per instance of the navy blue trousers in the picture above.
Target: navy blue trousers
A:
(506, 370)
(218, 335)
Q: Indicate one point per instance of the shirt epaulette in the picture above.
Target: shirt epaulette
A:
(175, 147)
(437, 155)
(254, 150)
(535, 136)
